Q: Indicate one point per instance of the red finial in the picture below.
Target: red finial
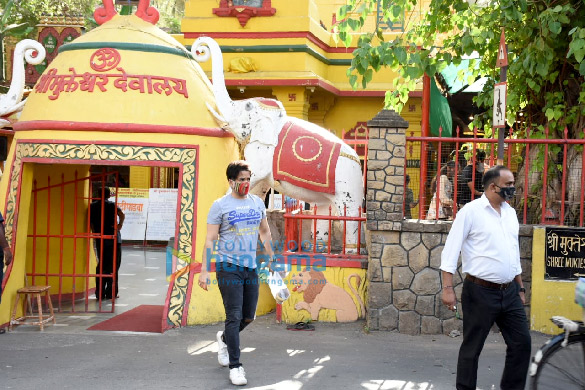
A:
(105, 13)
(144, 12)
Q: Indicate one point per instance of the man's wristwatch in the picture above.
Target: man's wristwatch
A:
(522, 289)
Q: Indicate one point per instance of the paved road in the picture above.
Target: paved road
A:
(334, 356)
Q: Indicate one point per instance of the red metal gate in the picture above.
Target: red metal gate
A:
(68, 269)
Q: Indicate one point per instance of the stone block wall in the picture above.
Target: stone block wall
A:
(404, 255)
(405, 279)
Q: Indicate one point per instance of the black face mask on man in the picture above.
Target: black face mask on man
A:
(507, 193)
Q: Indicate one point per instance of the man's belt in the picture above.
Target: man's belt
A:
(485, 283)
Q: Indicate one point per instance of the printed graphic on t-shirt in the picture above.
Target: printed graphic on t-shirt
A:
(239, 221)
(251, 215)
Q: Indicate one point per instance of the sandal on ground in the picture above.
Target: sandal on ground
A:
(300, 326)
(2, 330)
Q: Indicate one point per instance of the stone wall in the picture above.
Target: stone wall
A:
(405, 255)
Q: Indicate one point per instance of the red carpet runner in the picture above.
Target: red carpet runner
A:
(144, 318)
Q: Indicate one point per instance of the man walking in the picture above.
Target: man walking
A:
(467, 187)
(485, 231)
(237, 218)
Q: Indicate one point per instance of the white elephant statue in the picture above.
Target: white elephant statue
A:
(12, 102)
(297, 158)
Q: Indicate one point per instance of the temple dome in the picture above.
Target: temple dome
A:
(124, 73)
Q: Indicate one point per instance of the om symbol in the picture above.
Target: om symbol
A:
(104, 59)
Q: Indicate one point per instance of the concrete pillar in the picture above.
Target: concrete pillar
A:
(385, 181)
(384, 189)
(319, 107)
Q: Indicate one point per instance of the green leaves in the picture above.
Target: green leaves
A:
(17, 30)
(546, 51)
(577, 45)
(555, 27)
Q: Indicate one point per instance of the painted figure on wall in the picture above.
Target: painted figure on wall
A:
(319, 294)
(297, 158)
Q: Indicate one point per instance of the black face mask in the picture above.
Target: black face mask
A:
(507, 193)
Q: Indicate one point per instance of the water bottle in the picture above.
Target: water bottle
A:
(277, 287)
(282, 295)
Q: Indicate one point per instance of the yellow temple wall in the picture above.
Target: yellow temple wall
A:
(140, 177)
(549, 298)
(18, 245)
(213, 156)
(348, 111)
(295, 16)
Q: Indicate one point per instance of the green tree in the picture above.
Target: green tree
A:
(9, 28)
(19, 17)
(31, 11)
(546, 50)
(171, 12)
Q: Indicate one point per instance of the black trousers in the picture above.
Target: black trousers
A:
(239, 289)
(482, 307)
(104, 285)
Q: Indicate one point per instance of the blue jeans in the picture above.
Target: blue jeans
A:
(239, 291)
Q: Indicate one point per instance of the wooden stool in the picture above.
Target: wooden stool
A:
(34, 291)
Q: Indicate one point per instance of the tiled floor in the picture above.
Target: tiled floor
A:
(142, 281)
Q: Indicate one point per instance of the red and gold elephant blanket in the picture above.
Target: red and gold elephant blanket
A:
(305, 159)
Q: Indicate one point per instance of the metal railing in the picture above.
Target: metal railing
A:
(336, 245)
(548, 173)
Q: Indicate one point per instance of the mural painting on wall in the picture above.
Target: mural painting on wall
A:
(565, 254)
(52, 40)
(295, 157)
(326, 297)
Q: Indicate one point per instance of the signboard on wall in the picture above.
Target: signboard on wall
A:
(134, 203)
(162, 214)
(564, 254)
(499, 110)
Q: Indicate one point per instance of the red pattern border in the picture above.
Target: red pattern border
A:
(119, 127)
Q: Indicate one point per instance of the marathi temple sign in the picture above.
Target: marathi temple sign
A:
(564, 254)
(104, 60)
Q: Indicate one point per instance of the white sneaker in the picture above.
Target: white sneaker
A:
(223, 356)
(238, 376)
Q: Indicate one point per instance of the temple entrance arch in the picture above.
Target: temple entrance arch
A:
(62, 249)
(19, 195)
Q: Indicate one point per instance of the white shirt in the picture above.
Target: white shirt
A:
(488, 242)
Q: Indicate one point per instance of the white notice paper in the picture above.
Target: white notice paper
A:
(162, 214)
(134, 203)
